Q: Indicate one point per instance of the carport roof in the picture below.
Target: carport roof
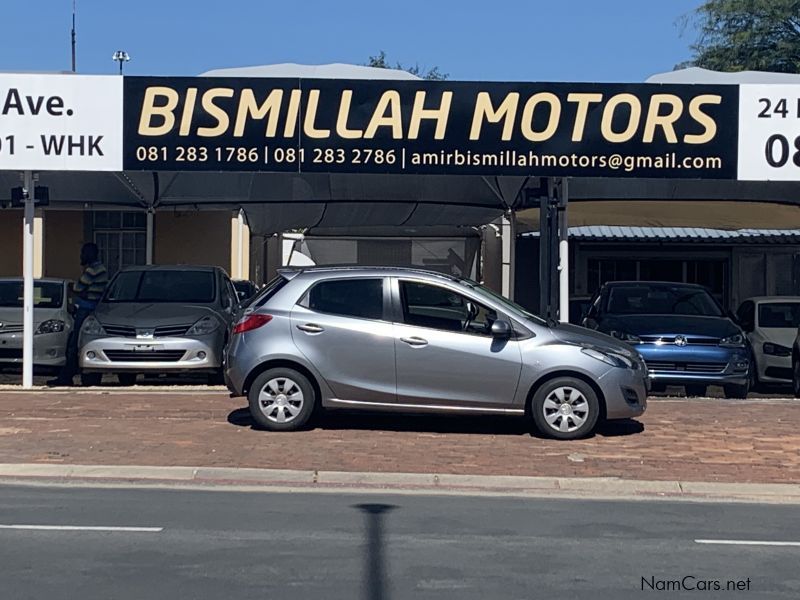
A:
(605, 233)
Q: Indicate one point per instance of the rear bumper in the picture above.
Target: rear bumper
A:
(163, 355)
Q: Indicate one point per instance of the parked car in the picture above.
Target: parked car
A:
(680, 330)
(159, 319)
(52, 321)
(578, 308)
(770, 323)
(244, 290)
(394, 339)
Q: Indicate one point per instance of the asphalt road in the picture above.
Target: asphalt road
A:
(236, 545)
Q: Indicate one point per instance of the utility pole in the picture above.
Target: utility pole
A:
(73, 36)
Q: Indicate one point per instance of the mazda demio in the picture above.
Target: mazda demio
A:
(419, 341)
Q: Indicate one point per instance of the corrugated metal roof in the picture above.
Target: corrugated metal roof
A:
(611, 233)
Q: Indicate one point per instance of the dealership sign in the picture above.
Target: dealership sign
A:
(85, 123)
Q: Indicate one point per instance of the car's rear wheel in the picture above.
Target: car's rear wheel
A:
(281, 399)
(565, 408)
(126, 379)
(696, 390)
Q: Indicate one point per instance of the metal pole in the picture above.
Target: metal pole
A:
(149, 237)
(240, 245)
(27, 286)
(563, 255)
(73, 36)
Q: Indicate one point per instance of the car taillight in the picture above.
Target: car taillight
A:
(251, 322)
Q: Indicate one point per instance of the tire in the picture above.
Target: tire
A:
(696, 390)
(272, 407)
(565, 424)
(126, 379)
(736, 392)
(658, 388)
(796, 376)
(91, 379)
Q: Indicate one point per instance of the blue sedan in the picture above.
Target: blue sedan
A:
(682, 333)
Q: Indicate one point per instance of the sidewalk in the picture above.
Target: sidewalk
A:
(677, 440)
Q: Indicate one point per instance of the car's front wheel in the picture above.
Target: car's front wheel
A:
(796, 376)
(565, 408)
(281, 399)
(736, 392)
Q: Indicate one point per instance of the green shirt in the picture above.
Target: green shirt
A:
(93, 281)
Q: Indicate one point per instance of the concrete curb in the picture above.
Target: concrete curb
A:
(420, 483)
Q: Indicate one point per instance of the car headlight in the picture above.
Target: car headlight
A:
(625, 337)
(733, 341)
(50, 326)
(204, 326)
(610, 358)
(776, 349)
(92, 326)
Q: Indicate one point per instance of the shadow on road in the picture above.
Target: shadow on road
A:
(429, 423)
(375, 572)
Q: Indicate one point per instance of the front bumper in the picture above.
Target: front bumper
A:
(774, 369)
(696, 364)
(163, 355)
(625, 392)
(49, 349)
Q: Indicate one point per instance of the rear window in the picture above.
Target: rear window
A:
(162, 286)
(267, 292)
(46, 294)
(781, 315)
(361, 298)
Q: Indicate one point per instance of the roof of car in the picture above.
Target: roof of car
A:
(616, 283)
(292, 272)
(171, 268)
(767, 299)
(37, 280)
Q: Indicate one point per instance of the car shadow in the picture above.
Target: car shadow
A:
(341, 420)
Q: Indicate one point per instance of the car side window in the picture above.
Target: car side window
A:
(435, 307)
(360, 298)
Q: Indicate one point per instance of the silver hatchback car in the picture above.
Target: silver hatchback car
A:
(418, 341)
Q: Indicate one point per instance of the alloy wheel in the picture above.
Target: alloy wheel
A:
(281, 400)
(565, 409)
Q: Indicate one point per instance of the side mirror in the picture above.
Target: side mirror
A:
(501, 329)
(72, 308)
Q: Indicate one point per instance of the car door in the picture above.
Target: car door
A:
(340, 326)
(445, 353)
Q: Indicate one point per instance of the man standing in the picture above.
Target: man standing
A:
(88, 290)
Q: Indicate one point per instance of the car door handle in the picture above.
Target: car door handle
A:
(415, 341)
(310, 328)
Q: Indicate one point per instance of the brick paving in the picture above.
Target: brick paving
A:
(690, 440)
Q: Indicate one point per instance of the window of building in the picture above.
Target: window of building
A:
(121, 238)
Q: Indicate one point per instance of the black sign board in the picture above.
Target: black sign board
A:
(386, 126)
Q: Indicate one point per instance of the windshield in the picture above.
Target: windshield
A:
(510, 306)
(665, 299)
(46, 294)
(781, 315)
(195, 287)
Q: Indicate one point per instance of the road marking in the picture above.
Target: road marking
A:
(83, 528)
(747, 543)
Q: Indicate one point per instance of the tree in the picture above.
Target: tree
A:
(736, 35)
(379, 61)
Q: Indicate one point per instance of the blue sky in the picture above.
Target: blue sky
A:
(534, 40)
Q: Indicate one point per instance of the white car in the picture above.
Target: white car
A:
(770, 323)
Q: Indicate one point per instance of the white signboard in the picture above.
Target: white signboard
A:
(769, 132)
(60, 122)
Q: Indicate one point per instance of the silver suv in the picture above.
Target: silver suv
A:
(417, 341)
